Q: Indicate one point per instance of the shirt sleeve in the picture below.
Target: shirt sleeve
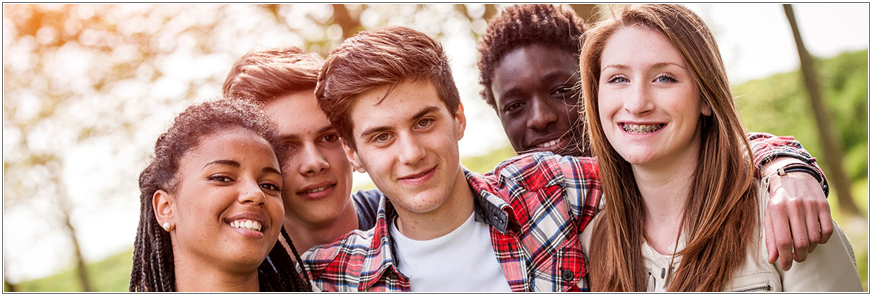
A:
(583, 188)
(767, 147)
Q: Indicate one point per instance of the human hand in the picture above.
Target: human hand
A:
(796, 219)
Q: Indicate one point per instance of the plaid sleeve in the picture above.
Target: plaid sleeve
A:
(583, 187)
(766, 147)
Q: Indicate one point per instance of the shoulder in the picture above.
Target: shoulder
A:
(538, 169)
(334, 257)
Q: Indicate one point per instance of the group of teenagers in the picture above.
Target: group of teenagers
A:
(635, 172)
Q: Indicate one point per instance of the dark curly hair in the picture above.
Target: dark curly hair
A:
(153, 268)
(521, 25)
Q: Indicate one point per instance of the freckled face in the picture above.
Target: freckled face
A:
(533, 88)
(648, 102)
(317, 175)
(228, 209)
(408, 145)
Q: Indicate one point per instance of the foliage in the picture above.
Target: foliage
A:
(778, 105)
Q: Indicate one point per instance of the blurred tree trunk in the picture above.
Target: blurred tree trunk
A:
(588, 12)
(8, 287)
(81, 266)
(829, 138)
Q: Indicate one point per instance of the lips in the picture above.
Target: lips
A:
(317, 190)
(418, 178)
(550, 145)
(248, 224)
(641, 128)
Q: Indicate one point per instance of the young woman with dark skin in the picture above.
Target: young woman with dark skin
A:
(211, 206)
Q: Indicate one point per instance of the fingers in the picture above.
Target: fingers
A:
(826, 223)
(812, 223)
(770, 239)
(800, 232)
(783, 238)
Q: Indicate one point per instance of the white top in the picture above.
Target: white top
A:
(830, 268)
(461, 261)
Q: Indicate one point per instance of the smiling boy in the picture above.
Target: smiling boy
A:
(317, 175)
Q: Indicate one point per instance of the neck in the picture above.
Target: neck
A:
(665, 187)
(194, 276)
(307, 235)
(443, 220)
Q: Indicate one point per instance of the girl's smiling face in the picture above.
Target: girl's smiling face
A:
(226, 208)
(648, 102)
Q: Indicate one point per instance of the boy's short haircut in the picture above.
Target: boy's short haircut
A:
(521, 25)
(263, 75)
(375, 58)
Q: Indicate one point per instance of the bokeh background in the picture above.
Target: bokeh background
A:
(87, 88)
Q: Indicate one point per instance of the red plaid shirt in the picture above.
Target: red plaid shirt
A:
(536, 205)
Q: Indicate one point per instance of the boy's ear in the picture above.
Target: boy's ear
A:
(163, 202)
(351, 154)
(460, 120)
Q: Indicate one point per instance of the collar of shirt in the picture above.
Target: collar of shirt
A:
(489, 209)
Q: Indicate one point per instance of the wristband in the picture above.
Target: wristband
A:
(800, 167)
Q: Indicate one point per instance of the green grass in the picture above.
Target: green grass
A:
(108, 275)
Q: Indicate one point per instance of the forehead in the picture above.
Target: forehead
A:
(233, 144)
(374, 109)
(297, 114)
(639, 45)
(534, 57)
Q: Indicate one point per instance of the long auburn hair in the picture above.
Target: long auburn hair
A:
(720, 214)
(153, 260)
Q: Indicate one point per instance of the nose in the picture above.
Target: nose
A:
(638, 101)
(411, 151)
(541, 115)
(251, 193)
(312, 160)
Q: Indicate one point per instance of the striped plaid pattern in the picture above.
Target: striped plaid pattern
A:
(536, 206)
(767, 147)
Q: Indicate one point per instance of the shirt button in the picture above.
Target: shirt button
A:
(567, 275)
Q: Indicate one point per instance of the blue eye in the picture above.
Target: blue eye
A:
(665, 78)
(618, 79)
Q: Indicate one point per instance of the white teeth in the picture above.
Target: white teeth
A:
(317, 189)
(549, 144)
(247, 224)
(639, 129)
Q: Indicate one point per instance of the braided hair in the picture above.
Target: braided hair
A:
(522, 25)
(153, 263)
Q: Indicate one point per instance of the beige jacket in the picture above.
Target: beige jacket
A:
(830, 268)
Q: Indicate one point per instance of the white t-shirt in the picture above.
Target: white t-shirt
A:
(461, 261)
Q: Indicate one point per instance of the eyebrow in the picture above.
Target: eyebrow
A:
(271, 170)
(224, 162)
(237, 165)
(419, 114)
(656, 66)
